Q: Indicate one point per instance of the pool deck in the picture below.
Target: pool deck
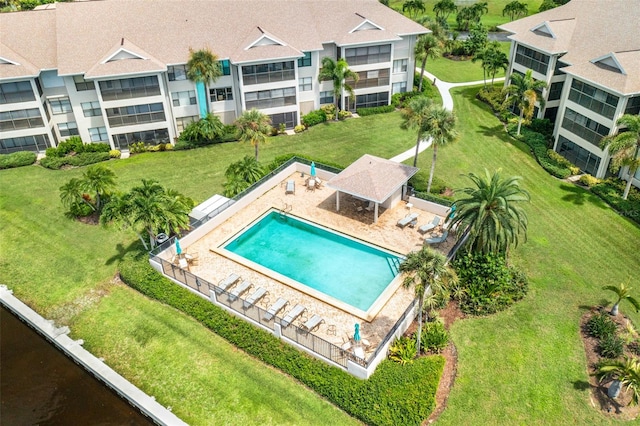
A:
(319, 206)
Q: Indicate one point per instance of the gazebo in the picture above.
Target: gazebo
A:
(374, 179)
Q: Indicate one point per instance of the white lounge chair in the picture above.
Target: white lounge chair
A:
(227, 283)
(313, 323)
(240, 290)
(429, 226)
(437, 240)
(291, 187)
(275, 308)
(293, 314)
(255, 297)
(407, 220)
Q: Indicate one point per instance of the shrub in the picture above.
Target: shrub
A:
(96, 147)
(403, 350)
(538, 145)
(314, 117)
(387, 398)
(281, 159)
(433, 198)
(115, 153)
(601, 325)
(17, 159)
(544, 126)
(137, 147)
(343, 114)
(328, 109)
(400, 100)
(363, 112)
(299, 128)
(493, 97)
(282, 128)
(490, 285)
(182, 145)
(79, 160)
(588, 180)
(434, 336)
(611, 190)
(73, 144)
(420, 180)
(610, 346)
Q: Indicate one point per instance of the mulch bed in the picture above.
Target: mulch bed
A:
(619, 408)
(92, 219)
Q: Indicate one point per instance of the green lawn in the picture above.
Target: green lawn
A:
(459, 71)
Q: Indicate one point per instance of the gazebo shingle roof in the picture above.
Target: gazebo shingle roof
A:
(372, 178)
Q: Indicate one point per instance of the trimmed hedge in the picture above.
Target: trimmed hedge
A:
(538, 144)
(314, 117)
(363, 112)
(79, 160)
(395, 395)
(281, 159)
(17, 159)
(611, 190)
(433, 198)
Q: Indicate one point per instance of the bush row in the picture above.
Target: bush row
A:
(17, 159)
(363, 112)
(388, 398)
(83, 159)
(281, 159)
(420, 181)
(602, 327)
(538, 144)
(75, 144)
(611, 190)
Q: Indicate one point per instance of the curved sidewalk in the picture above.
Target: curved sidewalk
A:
(447, 101)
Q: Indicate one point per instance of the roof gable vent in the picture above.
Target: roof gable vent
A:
(5, 61)
(544, 30)
(121, 54)
(366, 25)
(610, 62)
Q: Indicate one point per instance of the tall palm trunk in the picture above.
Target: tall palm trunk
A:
(520, 120)
(433, 167)
(419, 333)
(415, 157)
(424, 64)
(632, 173)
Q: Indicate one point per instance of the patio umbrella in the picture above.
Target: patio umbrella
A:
(356, 335)
(178, 248)
(313, 169)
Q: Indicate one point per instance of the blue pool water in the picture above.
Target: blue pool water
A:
(341, 267)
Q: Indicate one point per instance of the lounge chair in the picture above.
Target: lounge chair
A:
(437, 240)
(293, 314)
(291, 187)
(313, 323)
(318, 183)
(255, 297)
(407, 220)
(227, 283)
(311, 184)
(429, 226)
(275, 308)
(240, 290)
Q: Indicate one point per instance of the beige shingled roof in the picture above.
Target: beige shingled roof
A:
(587, 30)
(166, 29)
(372, 178)
(13, 64)
(135, 60)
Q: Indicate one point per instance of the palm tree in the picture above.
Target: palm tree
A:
(72, 195)
(547, 5)
(625, 147)
(623, 292)
(413, 7)
(426, 270)
(338, 72)
(440, 126)
(427, 46)
(248, 169)
(100, 181)
(515, 9)
(414, 116)
(254, 126)
(443, 9)
(627, 372)
(524, 94)
(491, 214)
(203, 67)
(492, 60)
(118, 211)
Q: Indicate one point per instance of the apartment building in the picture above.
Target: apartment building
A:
(588, 53)
(115, 70)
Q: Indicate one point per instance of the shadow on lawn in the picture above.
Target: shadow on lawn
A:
(580, 196)
(581, 385)
(135, 246)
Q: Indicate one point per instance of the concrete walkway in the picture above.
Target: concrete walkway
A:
(447, 101)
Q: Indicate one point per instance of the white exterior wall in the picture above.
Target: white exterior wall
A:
(77, 98)
(222, 109)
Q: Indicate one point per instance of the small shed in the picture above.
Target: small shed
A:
(375, 179)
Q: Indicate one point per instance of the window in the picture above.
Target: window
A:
(20, 119)
(326, 97)
(372, 100)
(268, 73)
(184, 98)
(633, 106)
(68, 129)
(25, 143)
(586, 160)
(82, 84)
(154, 137)
(91, 109)
(368, 55)
(306, 61)
(98, 134)
(20, 91)
(532, 59)
(60, 105)
(400, 65)
(221, 94)
(559, 65)
(177, 72)
(305, 84)
(399, 87)
(182, 122)
(593, 99)
(225, 66)
(588, 129)
(136, 114)
(555, 90)
(128, 88)
(290, 119)
(271, 98)
(371, 78)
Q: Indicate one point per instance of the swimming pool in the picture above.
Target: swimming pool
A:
(324, 261)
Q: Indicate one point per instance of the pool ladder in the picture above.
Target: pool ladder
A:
(286, 209)
(394, 264)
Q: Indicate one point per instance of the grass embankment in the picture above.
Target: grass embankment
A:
(453, 71)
